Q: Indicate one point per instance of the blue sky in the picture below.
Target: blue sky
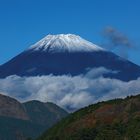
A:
(23, 22)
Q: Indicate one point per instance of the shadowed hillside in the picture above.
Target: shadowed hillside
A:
(117, 119)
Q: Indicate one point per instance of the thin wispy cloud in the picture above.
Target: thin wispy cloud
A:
(115, 40)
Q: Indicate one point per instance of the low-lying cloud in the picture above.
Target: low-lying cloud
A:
(69, 92)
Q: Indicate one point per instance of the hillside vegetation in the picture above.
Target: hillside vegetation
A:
(117, 119)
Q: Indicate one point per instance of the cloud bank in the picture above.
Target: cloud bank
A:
(69, 92)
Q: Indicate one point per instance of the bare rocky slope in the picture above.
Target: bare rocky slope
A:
(10, 107)
(19, 121)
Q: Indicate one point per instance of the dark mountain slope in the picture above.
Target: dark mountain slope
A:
(42, 63)
(117, 119)
(17, 129)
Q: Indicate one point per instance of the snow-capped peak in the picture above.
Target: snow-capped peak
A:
(65, 43)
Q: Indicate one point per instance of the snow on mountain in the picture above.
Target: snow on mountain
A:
(67, 54)
(65, 43)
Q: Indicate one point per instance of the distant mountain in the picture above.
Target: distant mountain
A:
(117, 119)
(44, 113)
(20, 121)
(67, 54)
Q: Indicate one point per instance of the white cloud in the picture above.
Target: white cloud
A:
(69, 92)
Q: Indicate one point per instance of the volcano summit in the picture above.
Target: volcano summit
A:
(67, 54)
(64, 43)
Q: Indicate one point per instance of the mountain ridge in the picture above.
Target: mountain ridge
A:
(117, 119)
(20, 121)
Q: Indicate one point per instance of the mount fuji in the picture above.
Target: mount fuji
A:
(68, 54)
